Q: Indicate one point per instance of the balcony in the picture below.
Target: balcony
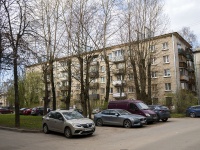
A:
(117, 59)
(189, 57)
(182, 64)
(184, 77)
(94, 74)
(94, 96)
(119, 83)
(119, 95)
(181, 51)
(94, 63)
(119, 71)
(94, 85)
(63, 88)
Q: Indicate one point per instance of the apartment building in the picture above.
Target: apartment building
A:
(197, 71)
(172, 69)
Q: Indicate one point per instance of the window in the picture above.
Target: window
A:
(184, 85)
(165, 46)
(167, 72)
(166, 59)
(183, 72)
(167, 86)
(102, 90)
(110, 56)
(152, 48)
(111, 90)
(111, 79)
(102, 79)
(153, 60)
(118, 53)
(179, 46)
(154, 87)
(130, 89)
(119, 90)
(130, 76)
(102, 68)
(119, 77)
(154, 74)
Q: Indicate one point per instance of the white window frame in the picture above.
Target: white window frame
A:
(167, 73)
(102, 69)
(130, 89)
(152, 48)
(102, 79)
(166, 59)
(165, 46)
(154, 74)
(154, 87)
(153, 61)
(111, 90)
(167, 86)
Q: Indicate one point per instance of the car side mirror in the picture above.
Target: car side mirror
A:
(61, 118)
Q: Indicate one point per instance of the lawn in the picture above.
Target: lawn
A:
(26, 122)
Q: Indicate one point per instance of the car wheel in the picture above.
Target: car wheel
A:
(164, 120)
(127, 124)
(192, 115)
(68, 132)
(45, 129)
(99, 122)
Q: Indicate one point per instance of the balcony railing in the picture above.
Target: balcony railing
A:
(94, 85)
(119, 83)
(181, 51)
(94, 73)
(184, 77)
(63, 88)
(119, 71)
(117, 59)
(119, 95)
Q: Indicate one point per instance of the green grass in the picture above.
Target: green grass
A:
(175, 115)
(26, 122)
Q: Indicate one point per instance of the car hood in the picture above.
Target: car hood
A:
(148, 111)
(133, 116)
(81, 121)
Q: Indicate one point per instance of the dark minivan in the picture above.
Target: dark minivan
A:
(134, 107)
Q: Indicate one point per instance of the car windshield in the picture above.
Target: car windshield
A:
(142, 106)
(123, 112)
(72, 115)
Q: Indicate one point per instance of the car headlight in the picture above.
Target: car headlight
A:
(76, 125)
(148, 115)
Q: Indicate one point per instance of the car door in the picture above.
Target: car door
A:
(105, 116)
(50, 120)
(197, 111)
(59, 122)
(114, 119)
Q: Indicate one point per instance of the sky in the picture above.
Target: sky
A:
(184, 13)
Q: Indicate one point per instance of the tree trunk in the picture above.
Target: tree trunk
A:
(70, 83)
(17, 103)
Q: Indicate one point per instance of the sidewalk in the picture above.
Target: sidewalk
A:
(20, 130)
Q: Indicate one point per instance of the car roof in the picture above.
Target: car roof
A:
(63, 110)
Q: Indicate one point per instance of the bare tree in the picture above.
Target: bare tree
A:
(17, 25)
(142, 21)
(47, 15)
(189, 36)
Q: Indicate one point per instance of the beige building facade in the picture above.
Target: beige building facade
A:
(172, 69)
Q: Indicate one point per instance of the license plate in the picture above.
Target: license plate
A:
(88, 129)
(143, 122)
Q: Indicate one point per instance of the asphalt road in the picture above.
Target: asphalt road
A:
(176, 134)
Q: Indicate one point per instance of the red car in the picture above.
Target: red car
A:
(27, 111)
(5, 111)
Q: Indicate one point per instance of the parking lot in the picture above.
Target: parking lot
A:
(179, 134)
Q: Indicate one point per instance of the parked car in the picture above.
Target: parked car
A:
(39, 111)
(27, 111)
(21, 110)
(69, 122)
(162, 112)
(118, 117)
(134, 107)
(193, 111)
(5, 111)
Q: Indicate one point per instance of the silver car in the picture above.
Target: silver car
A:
(69, 122)
(119, 117)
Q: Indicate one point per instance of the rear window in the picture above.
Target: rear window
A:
(142, 106)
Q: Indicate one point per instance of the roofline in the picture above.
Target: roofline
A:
(123, 45)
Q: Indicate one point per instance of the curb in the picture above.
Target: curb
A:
(20, 130)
